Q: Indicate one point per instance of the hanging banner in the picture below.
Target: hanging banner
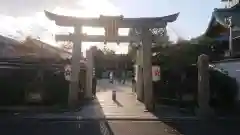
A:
(156, 73)
(67, 73)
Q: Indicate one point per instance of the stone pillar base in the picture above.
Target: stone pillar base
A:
(150, 107)
(73, 94)
(140, 94)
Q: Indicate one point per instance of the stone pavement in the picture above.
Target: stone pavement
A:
(127, 106)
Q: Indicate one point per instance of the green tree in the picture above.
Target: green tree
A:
(108, 51)
(184, 52)
(159, 39)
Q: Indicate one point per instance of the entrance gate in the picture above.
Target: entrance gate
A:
(111, 25)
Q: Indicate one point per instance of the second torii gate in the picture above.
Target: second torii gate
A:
(111, 25)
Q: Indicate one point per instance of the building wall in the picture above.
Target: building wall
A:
(232, 67)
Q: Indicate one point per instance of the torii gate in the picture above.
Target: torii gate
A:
(111, 25)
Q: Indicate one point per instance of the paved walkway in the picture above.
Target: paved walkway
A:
(125, 106)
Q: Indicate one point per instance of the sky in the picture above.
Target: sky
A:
(21, 18)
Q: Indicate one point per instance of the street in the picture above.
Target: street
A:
(95, 127)
(105, 117)
(33, 127)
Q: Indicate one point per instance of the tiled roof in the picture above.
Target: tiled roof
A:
(52, 49)
(219, 16)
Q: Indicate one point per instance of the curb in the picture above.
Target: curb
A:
(125, 119)
(38, 110)
(46, 109)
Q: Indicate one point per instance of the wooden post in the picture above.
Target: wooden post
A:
(204, 110)
(75, 65)
(147, 69)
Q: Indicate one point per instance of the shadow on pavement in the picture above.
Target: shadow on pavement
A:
(62, 125)
(118, 103)
(184, 122)
(165, 111)
(32, 127)
(104, 124)
(195, 127)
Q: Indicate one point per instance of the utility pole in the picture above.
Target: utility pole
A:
(228, 20)
(230, 36)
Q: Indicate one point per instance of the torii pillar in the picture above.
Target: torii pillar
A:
(147, 68)
(89, 77)
(75, 65)
(144, 70)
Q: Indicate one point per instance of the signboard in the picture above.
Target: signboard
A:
(136, 72)
(94, 72)
(156, 73)
(67, 73)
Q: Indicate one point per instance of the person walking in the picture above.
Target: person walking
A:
(123, 77)
(111, 77)
(94, 85)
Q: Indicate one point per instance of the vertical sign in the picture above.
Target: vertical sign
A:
(156, 73)
(136, 72)
(94, 72)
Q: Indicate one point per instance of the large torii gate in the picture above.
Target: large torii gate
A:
(111, 25)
